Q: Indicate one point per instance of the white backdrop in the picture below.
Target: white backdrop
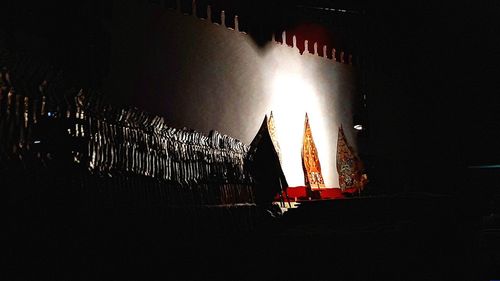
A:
(205, 76)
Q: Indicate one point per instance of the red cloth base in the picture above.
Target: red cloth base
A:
(331, 193)
(294, 193)
(299, 193)
(351, 190)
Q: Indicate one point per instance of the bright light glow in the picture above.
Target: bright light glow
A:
(358, 127)
(37, 141)
(293, 96)
(293, 85)
(289, 103)
(296, 86)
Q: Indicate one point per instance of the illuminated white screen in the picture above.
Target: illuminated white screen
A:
(203, 76)
(294, 91)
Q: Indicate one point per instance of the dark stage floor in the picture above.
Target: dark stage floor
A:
(412, 237)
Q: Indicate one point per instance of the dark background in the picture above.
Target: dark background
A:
(432, 110)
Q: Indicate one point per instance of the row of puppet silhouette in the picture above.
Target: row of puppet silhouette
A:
(38, 128)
